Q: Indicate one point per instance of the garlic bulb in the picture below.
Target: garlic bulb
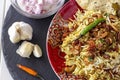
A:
(25, 31)
(20, 31)
(37, 52)
(25, 49)
(13, 33)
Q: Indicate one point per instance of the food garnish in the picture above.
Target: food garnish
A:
(91, 26)
(30, 71)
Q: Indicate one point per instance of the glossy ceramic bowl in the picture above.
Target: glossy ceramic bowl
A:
(52, 11)
(55, 56)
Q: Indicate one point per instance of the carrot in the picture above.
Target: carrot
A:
(29, 71)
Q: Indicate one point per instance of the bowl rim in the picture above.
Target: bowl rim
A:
(48, 54)
(37, 16)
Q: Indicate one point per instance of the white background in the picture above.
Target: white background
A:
(4, 74)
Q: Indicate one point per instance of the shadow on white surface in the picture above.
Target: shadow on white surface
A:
(4, 73)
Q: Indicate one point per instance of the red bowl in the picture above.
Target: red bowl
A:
(66, 12)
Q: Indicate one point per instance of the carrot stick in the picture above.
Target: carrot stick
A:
(29, 71)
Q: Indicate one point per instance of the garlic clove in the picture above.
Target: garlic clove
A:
(25, 49)
(37, 52)
(13, 33)
(25, 31)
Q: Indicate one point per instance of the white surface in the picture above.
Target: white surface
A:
(4, 74)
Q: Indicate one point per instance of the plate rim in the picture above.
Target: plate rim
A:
(48, 55)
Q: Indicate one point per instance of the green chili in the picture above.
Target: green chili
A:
(91, 26)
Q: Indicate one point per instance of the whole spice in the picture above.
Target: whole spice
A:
(30, 71)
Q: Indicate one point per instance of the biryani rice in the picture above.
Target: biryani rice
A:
(97, 68)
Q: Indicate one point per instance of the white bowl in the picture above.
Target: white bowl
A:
(38, 16)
